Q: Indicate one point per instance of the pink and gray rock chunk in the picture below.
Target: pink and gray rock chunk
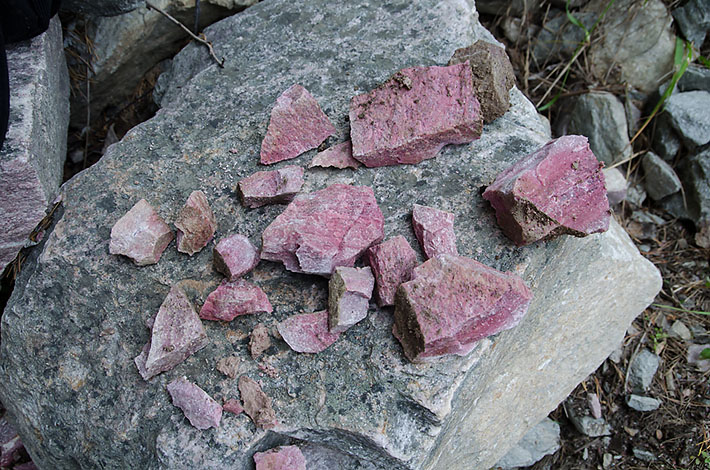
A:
(339, 156)
(235, 256)
(233, 406)
(297, 124)
(392, 263)
(452, 302)
(434, 229)
(234, 298)
(280, 458)
(556, 190)
(177, 334)
(141, 234)
(414, 114)
(349, 292)
(271, 187)
(195, 224)
(307, 332)
(324, 229)
(256, 403)
(200, 409)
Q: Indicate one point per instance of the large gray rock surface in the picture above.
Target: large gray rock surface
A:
(76, 319)
(32, 158)
(543, 439)
(689, 113)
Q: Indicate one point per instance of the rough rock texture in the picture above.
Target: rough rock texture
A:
(101, 7)
(541, 440)
(696, 77)
(257, 404)
(414, 114)
(693, 356)
(452, 302)
(140, 234)
(493, 77)
(556, 190)
(642, 369)
(616, 185)
(322, 230)
(349, 292)
(271, 187)
(199, 408)
(74, 322)
(392, 263)
(689, 114)
(32, 157)
(233, 406)
(660, 178)
(235, 256)
(259, 340)
(297, 124)
(666, 142)
(195, 224)
(337, 156)
(589, 426)
(693, 19)
(234, 298)
(10, 444)
(641, 403)
(694, 171)
(434, 229)
(280, 458)
(307, 332)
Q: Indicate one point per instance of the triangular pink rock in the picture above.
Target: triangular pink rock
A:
(234, 298)
(338, 156)
(307, 332)
(141, 234)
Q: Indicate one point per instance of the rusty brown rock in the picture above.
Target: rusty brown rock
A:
(195, 224)
(256, 403)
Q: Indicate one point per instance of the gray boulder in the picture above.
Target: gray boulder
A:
(693, 19)
(694, 171)
(77, 316)
(660, 180)
(666, 142)
(696, 77)
(642, 369)
(541, 440)
(32, 157)
(689, 114)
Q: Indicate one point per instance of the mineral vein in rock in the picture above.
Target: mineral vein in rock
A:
(434, 229)
(271, 187)
(234, 298)
(200, 409)
(195, 224)
(141, 234)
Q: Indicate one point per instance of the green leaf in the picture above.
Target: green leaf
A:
(707, 282)
(705, 353)
(704, 61)
(576, 22)
(676, 309)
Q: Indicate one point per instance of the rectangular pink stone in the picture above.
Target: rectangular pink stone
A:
(434, 229)
(271, 187)
(392, 263)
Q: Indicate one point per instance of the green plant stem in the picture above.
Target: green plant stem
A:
(678, 309)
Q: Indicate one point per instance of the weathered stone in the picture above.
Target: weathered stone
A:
(32, 157)
(297, 124)
(235, 298)
(694, 171)
(349, 292)
(271, 187)
(233, 406)
(177, 334)
(595, 406)
(141, 234)
(235, 256)
(280, 458)
(616, 185)
(414, 114)
(195, 224)
(689, 114)
(434, 229)
(493, 77)
(230, 366)
(679, 330)
(643, 455)
(322, 230)
(661, 180)
(666, 142)
(10, 444)
(556, 190)
(592, 427)
(259, 341)
(257, 405)
(693, 19)
(694, 358)
(338, 156)
(696, 77)
(641, 403)
(307, 332)
(392, 263)
(642, 369)
(199, 408)
(452, 302)
(541, 440)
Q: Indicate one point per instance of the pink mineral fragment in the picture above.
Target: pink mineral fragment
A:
(307, 332)
(556, 190)
(349, 292)
(256, 403)
(434, 229)
(452, 302)
(233, 406)
(338, 156)
(259, 340)
(141, 234)
(324, 229)
(229, 366)
(271, 187)
(195, 224)
(414, 114)
(234, 298)
(200, 409)
(297, 124)
(177, 334)
(280, 458)
(392, 263)
(235, 256)
(10, 444)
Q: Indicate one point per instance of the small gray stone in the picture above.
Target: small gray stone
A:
(559, 38)
(633, 116)
(694, 351)
(666, 142)
(689, 113)
(696, 77)
(679, 330)
(642, 370)
(542, 440)
(616, 185)
(644, 455)
(661, 180)
(641, 403)
(592, 427)
(647, 218)
(693, 19)
(607, 459)
(635, 194)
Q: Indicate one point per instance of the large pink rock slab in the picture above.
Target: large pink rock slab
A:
(177, 333)
(271, 187)
(297, 124)
(452, 302)
(280, 458)
(195, 224)
(256, 403)
(392, 263)
(324, 229)
(307, 332)
(200, 409)
(338, 156)
(434, 229)
(235, 256)
(414, 114)
(349, 292)
(234, 298)
(141, 234)
(556, 190)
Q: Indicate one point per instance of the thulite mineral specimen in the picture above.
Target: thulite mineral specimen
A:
(141, 234)
(235, 256)
(202, 411)
(307, 332)
(555, 190)
(177, 334)
(324, 229)
(234, 298)
(349, 290)
(434, 229)
(414, 114)
(271, 187)
(452, 302)
(392, 263)
(256, 403)
(195, 223)
(233, 406)
(280, 458)
(297, 124)
(338, 156)
(259, 340)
